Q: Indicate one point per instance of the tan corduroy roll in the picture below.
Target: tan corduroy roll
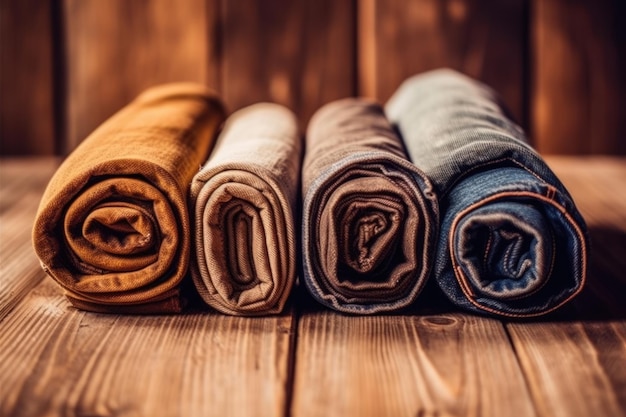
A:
(113, 226)
(370, 217)
(243, 201)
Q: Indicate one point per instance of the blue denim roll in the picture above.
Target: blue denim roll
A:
(512, 242)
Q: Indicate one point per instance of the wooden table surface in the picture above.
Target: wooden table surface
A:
(429, 361)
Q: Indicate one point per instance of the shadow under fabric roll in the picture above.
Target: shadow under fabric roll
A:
(244, 200)
(369, 217)
(113, 225)
(512, 242)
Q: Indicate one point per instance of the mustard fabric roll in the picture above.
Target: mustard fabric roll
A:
(244, 200)
(112, 227)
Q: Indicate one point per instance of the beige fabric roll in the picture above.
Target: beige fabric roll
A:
(243, 203)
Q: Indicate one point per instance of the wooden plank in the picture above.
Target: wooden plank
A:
(486, 40)
(574, 369)
(432, 365)
(574, 361)
(57, 361)
(117, 48)
(26, 78)
(366, 49)
(578, 69)
(21, 184)
(298, 53)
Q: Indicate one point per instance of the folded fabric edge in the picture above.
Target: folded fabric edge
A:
(430, 210)
(201, 276)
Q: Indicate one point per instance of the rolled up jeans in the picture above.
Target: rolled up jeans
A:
(512, 242)
(369, 216)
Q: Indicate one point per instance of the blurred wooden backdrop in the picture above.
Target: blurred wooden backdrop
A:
(66, 65)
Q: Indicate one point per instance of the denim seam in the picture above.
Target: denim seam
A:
(462, 279)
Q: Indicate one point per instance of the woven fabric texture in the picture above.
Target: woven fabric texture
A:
(113, 225)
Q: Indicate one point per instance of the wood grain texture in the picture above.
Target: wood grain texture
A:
(21, 184)
(441, 365)
(58, 361)
(574, 369)
(298, 53)
(26, 78)
(400, 38)
(579, 89)
(117, 48)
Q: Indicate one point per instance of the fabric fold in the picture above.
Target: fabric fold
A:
(369, 216)
(112, 227)
(512, 242)
(244, 201)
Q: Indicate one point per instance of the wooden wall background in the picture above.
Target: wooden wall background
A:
(66, 65)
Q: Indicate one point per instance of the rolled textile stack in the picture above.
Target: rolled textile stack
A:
(512, 242)
(244, 200)
(369, 217)
(112, 227)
